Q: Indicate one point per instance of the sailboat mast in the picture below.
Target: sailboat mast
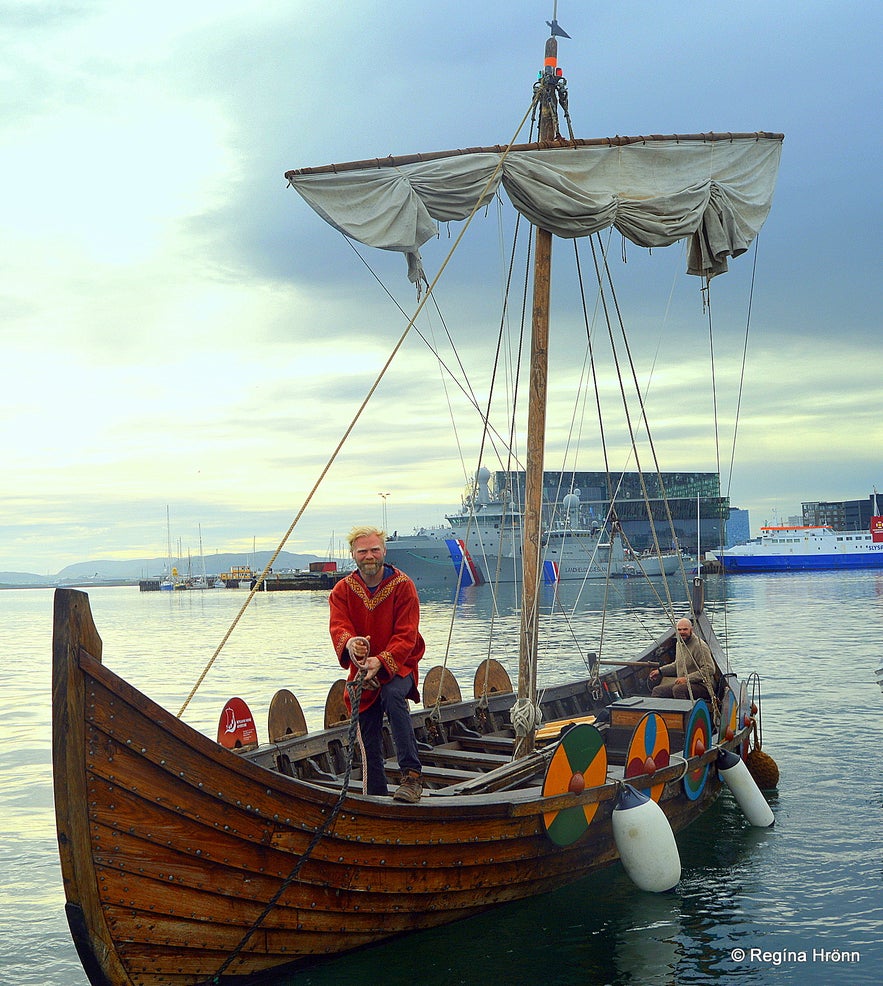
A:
(547, 87)
(169, 539)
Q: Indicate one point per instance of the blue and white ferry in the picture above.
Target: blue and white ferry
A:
(800, 548)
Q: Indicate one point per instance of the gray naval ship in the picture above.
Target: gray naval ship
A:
(482, 543)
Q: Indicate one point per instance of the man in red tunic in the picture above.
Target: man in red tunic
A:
(375, 620)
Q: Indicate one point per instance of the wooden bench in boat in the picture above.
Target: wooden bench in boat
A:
(552, 730)
(433, 774)
(504, 776)
(453, 756)
(486, 742)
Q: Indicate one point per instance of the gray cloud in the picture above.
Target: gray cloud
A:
(180, 326)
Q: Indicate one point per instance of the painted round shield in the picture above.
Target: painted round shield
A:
(697, 739)
(236, 729)
(650, 740)
(579, 762)
(729, 715)
(744, 703)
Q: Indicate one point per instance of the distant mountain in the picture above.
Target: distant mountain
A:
(143, 568)
(22, 578)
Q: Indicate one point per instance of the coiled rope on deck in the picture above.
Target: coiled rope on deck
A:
(526, 716)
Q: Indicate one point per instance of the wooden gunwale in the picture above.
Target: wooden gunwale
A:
(314, 927)
(254, 820)
(277, 942)
(199, 765)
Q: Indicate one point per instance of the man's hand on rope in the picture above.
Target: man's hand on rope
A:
(359, 648)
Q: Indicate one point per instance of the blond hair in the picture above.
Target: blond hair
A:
(365, 531)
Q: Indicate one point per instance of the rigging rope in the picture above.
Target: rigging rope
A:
(327, 467)
(744, 363)
(486, 416)
(628, 417)
(717, 451)
(355, 689)
(736, 428)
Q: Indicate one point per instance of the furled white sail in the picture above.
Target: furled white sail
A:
(715, 189)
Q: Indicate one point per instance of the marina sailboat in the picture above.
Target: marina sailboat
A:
(170, 580)
(186, 860)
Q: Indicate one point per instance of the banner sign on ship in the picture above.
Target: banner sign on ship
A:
(877, 529)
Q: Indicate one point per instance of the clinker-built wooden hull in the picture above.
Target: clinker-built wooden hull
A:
(172, 846)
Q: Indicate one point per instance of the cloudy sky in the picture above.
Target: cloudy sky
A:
(179, 329)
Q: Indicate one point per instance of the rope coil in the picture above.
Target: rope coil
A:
(526, 716)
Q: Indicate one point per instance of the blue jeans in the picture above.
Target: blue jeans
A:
(394, 702)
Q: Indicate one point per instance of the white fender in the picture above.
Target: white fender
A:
(645, 841)
(738, 779)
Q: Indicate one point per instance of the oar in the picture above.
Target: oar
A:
(634, 664)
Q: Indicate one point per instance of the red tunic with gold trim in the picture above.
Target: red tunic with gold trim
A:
(390, 616)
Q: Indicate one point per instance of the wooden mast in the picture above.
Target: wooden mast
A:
(536, 420)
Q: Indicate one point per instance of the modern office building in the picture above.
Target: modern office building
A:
(842, 515)
(695, 509)
(738, 527)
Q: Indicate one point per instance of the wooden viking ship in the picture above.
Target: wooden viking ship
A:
(185, 862)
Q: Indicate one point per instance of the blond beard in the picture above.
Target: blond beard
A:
(369, 568)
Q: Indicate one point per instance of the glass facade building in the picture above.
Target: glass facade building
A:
(698, 511)
(738, 527)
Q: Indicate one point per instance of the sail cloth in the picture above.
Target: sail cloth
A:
(715, 189)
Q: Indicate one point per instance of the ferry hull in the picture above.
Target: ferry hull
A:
(801, 563)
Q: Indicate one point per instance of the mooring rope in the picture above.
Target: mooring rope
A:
(355, 690)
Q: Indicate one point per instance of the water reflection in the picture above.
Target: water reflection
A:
(814, 880)
(601, 930)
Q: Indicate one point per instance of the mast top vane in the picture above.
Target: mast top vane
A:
(557, 30)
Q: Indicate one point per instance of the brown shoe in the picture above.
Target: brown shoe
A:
(410, 789)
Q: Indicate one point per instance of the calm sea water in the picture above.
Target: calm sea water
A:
(801, 902)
